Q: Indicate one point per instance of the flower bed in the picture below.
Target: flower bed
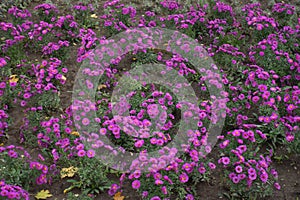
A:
(153, 96)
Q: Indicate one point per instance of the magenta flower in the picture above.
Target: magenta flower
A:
(183, 178)
(289, 137)
(235, 179)
(80, 147)
(251, 171)
(125, 11)
(145, 194)
(241, 176)
(114, 187)
(202, 170)
(139, 143)
(11, 195)
(264, 177)
(225, 160)
(102, 131)
(211, 165)
(12, 154)
(158, 182)
(238, 169)
(81, 153)
(224, 144)
(236, 133)
(136, 184)
(252, 176)
(85, 121)
(255, 99)
(164, 190)
(277, 186)
(90, 153)
(189, 197)
(155, 198)
(4, 193)
(291, 107)
(187, 167)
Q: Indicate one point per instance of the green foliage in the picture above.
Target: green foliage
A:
(92, 176)
(16, 171)
(86, 18)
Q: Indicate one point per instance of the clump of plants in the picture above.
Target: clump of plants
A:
(152, 117)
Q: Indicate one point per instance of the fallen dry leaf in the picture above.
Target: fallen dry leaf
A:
(13, 79)
(43, 194)
(68, 172)
(74, 133)
(118, 196)
(94, 16)
(63, 77)
(101, 86)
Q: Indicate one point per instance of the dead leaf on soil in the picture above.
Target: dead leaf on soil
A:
(43, 194)
(118, 196)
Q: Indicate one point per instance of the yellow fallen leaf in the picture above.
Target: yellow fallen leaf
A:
(101, 86)
(68, 172)
(13, 79)
(63, 77)
(74, 133)
(43, 194)
(67, 190)
(118, 196)
(94, 16)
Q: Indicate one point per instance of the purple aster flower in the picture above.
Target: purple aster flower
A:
(235, 179)
(90, 153)
(225, 160)
(81, 153)
(136, 184)
(183, 178)
(238, 169)
(189, 197)
(277, 186)
(155, 198)
(85, 121)
(264, 177)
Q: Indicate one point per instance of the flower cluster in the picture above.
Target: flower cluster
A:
(282, 7)
(171, 5)
(12, 191)
(54, 46)
(3, 122)
(47, 8)
(18, 13)
(257, 18)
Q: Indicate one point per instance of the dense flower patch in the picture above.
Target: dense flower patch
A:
(250, 91)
